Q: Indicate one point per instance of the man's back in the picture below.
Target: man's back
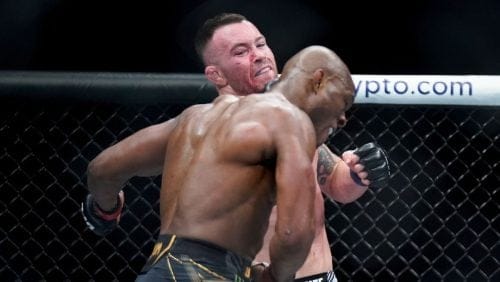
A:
(218, 182)
(224, 165)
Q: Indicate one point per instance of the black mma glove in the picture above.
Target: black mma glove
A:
(376, 164)
(100, 221)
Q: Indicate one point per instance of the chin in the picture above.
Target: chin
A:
(265, 78)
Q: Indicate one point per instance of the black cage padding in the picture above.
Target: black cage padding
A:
(135, 88)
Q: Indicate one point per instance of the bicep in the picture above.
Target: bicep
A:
(294, 171)
(140, 154)
(295, 179)
(295, 141)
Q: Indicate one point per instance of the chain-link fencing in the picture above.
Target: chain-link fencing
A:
(438, 220)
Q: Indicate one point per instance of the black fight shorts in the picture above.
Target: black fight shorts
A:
(322, 277)
(182, 259)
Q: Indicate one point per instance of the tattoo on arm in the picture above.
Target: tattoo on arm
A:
(325, 164)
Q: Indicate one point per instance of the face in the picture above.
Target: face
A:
(337, 98)
(239, 57)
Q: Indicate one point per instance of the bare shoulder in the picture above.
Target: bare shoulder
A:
(193, 113)
(283, 116)
(279, 117)
(254, 121)
(226, 99)
(274, 104)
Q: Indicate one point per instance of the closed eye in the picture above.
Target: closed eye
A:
(240, 52)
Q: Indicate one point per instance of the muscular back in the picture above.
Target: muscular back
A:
(219, 179)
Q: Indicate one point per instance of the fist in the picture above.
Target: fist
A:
(369, 165)
(99, 221)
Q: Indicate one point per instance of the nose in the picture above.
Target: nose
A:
(341, 122)
(259, 54)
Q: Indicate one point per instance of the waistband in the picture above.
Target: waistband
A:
(195, 247)
(321, 277)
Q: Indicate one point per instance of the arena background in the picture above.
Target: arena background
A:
(437, 221)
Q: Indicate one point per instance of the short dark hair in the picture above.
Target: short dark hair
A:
(206, 31)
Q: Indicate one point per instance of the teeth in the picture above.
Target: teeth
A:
(262, 71)
(330, 131)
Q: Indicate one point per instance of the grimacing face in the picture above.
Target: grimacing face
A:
(242, 57)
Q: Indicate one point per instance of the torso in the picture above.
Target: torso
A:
(230, 208)
(319, 259)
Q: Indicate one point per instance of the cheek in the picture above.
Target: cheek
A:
(337, 107)
(237, 70)
(239, 73)
(271, 56)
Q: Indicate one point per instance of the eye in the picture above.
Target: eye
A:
(240, 52)
(261, 44)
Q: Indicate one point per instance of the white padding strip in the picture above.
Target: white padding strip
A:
(467, 90)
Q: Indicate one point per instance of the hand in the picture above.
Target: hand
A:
(265, 274)
(258, 270)
(369, 165)
(100, 221)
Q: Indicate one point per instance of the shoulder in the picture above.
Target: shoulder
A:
(283, 114)
(191, 111)
(282, 119)
(274, 104)
(226, 98)
(196, 108)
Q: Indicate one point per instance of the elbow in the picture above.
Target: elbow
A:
(94, 174)
(98, 173)
(298, 239)
(94, 171)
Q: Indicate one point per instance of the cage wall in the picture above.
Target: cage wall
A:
(438, 220)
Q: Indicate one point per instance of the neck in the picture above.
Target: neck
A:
(228, 90)
(289, 90)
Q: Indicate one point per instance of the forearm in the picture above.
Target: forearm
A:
(366, 166)
(342, 187)
(141, 154)
(334, 177)
(295, 224)
(294, 234)
(286, 259)
(103, 186)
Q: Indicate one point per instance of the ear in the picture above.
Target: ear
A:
(215, 76)
(317, 79)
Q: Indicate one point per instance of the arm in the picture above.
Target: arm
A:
(295, 185)
(334, 175)
(141, 154)
(345, 180)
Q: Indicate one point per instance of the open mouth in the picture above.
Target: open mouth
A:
(263, 70)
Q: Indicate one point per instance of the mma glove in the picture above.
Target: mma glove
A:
(376, 164)
(101, 222)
